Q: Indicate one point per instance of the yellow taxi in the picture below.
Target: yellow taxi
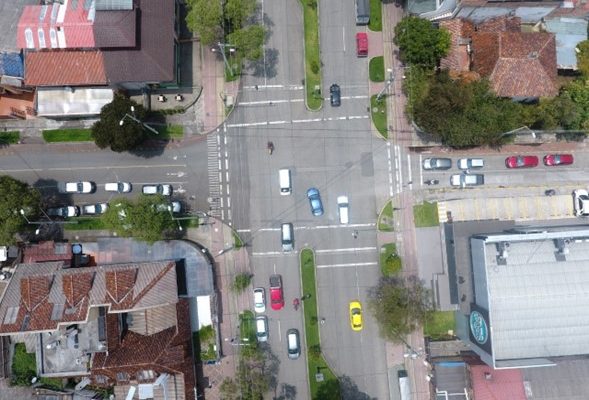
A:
(356, 315)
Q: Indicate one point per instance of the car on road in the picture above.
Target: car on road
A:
(81, 187)
(259, 300)
(293, 344)
(163, 189)
(521, 162)
(470, 163)
(356, 315)
(94, 209)
(276, 293)
(315, 201)
(63, 212)
(118, 187)
(463, 180)
(287, 237)
(362, 44)
(581, 202)
(552, 160)
(262, 328)
(437, 163)
(335, 95)
(342, 206)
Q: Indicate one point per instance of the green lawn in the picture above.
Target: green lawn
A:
(439, 323)
(10, 137)
(247, 327)
(312, 56)
(385, 219)
(390, 262)
(67, 135)
(378, 110)
(376, 69)
(237, 242)
(375, 23)
(426, 214)
(316, 362)
(204, 340)
(85, 224)
(166, 132)
(190, 223)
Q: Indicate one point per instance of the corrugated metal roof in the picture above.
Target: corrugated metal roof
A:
(569, 32)
(114, 4)
(12, 64)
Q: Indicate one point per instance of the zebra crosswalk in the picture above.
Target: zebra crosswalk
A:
(214, 171)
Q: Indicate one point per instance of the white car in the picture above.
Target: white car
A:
(76, 187)
(262, 328)
(94, 209)
(342, 205)
(470, 163)
(581, 202)
(163, 189)
(64, 212)
(174, 207)
(259, 300)
(464, 180)
(118, 187)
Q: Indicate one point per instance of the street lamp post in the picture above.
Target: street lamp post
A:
(387, 85)
(222, 47)
(122, 121)
(22, 212)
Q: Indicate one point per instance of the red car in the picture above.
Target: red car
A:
(552, 160)
(276, 294)
(521, 161)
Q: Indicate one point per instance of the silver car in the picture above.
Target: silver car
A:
(94, 209)
(118, 187)
(163, 189)
(437, 163)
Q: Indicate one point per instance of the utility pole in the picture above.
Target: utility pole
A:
(387, 85)
(222, 47)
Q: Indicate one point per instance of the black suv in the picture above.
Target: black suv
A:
(335, 95)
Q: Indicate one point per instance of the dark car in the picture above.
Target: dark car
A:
(437, 163)
(552, 160)
(315, 201)
(335, 95)
(521, 161)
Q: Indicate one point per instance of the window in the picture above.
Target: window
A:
(145, 375)
(29, 38)
(41, 38)
(53, 38)
(101, 379)
(122, 377)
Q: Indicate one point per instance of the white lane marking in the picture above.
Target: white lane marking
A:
(224, 127)
(410, 175)
(243, 230)
(277, 122)
(289, 87)
(350, 250)
(344, 37)
(364, 264)
(390, 164)
(298, 121)
(269, 102)
(225, 140)
(295, 121)
(279, 331)
(270, 253)
(220, 162)
(349, 97)
(105, 167)
(400, 164)
(420, 170)
(245, 125)
(335, 226)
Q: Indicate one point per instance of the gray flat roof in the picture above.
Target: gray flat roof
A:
(538, 295)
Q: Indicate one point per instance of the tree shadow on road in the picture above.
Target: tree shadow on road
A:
(350, 391)
(267, 65)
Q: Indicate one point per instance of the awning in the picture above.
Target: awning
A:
(72, 101)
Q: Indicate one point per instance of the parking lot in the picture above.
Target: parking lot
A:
(507, 208)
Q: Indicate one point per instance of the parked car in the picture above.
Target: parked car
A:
(470, 163)
(94, 209)
(76, 187)
(581, 202)
(552, 160)
(163, 189)
(118, 187)
(174, 207)
(437, 163)
(335, 96)
(315, 201)
(342, 206)
(293, 344)
(362, 44)
(63, 212)
(356, 315)
(259, 300)
(262, 328)
(521, 162)
(464, 180)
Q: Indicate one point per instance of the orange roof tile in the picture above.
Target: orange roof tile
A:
(64, 68)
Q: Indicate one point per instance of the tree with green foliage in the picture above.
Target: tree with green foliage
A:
(15, 196)
(464, 114)
(249, 41)
(582, 50)
(577, 91)
(241, 282)
(229, 389)
(108, 130)
(399, 305)
(205, 18)
(420, 42)
(237, 12)
(143, 219)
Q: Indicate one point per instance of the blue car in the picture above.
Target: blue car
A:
(315, 200)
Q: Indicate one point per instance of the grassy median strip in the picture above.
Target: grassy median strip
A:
(375, 23)
(170, 131)
(378, 110)
(390, 262)
(315, 360)
(376, 69)
(385, 219)
(312, 56)
(85, 224)
(67, 135)
(426, 214)
(9, 137)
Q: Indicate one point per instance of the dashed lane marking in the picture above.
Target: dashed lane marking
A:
(348, 250)
(364, 264)
(296, 121)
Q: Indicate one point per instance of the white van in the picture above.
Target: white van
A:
(262, 328)
(284, 179)
(293, 344)
(287, 237)
(342, 205)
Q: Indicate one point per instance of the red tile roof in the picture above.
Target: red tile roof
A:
(458, 58)
(64, 68)
(168, 351)
(490, 384)
(500, 24)
(47, 251)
